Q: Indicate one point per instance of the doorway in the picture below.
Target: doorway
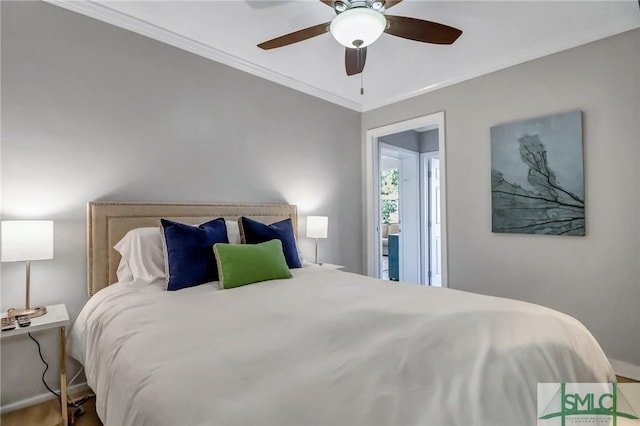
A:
(420, 230)
(399, 213)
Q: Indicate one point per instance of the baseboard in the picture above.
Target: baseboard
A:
(625, 369)
(28, 402)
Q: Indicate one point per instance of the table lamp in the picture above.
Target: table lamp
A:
(317, 228)
(24, 241)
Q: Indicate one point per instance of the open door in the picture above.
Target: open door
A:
(409, 229)
(435, 221)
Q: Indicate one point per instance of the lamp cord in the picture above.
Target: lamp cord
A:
(46, 368)
(74, 404)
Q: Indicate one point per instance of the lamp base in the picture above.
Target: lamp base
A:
(31, 312)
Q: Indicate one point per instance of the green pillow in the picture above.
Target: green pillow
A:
(242, 264)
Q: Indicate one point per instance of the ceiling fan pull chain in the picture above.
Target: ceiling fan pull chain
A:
(361, 67)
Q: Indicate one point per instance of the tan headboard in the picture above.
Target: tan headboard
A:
(108, 222)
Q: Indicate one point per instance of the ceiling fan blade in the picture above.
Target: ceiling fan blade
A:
(354, 60)
(295, 36)
(421, 30)
(391, 3)
(328, 3)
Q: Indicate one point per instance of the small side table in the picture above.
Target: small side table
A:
(56, 317)
(394, 257)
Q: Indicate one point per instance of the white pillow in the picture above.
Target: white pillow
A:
(124, 273)
(233, 231)
(142, 250)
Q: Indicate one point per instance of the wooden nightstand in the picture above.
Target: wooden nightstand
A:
(56, 317)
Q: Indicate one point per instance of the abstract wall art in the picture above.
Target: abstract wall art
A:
(537, 176)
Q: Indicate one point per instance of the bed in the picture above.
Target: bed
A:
(324, 347)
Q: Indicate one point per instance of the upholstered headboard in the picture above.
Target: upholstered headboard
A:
(108, 222)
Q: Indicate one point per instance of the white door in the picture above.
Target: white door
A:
(435, 220)
(409, 208)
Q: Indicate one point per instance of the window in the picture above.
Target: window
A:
(389, 195)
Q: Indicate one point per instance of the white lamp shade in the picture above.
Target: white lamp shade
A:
(360, 23)
(317, 226)
(27, 240)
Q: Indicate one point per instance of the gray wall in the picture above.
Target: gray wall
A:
(409, 140)
(94, 112)
(429, 141)
(412, 140)
(594, 278)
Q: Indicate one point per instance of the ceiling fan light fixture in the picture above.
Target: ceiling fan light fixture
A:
(358, 27)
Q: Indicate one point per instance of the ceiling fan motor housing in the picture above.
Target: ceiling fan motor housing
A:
(342, 5)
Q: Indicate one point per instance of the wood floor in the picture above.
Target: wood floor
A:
(48, 414)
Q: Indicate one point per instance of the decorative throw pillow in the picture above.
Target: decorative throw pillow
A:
(254, 232)
(188, 255)
(142, 255)
(242, 264)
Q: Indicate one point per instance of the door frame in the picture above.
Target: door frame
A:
(371, 193)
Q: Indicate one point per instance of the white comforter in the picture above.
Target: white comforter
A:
(325, 348)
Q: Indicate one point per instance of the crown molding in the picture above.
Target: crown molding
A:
(147, 29)
(103, 13)
(481, 69)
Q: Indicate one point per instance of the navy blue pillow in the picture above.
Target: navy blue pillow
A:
(189, 252)
(254, 232)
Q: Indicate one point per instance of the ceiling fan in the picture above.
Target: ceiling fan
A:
(358, 23)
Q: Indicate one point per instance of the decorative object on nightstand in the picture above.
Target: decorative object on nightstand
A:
(317, 227)
(24, 241)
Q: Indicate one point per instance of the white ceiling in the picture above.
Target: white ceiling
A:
(495, 35)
